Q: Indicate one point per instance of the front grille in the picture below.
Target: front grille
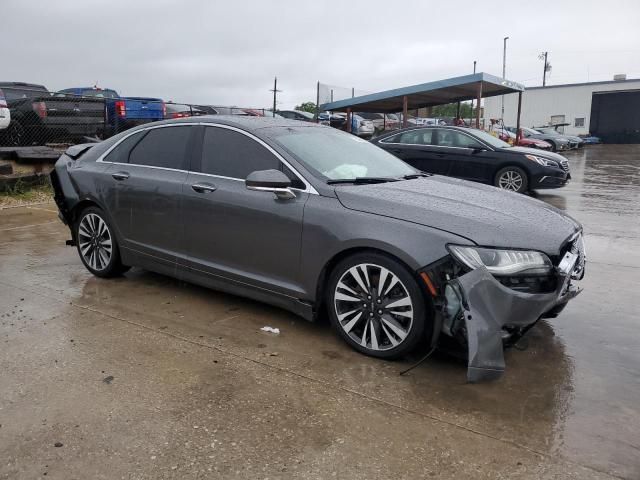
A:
(564, 163)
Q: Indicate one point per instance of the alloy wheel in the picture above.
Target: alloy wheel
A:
(94, 239)
(373, 307)
(510, 180)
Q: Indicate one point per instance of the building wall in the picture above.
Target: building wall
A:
(539, 105)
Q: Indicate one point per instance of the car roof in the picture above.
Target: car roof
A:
(21, 84)
(245, 122)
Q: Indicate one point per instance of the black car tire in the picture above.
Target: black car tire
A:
(96, 264)
(407, 287)
(514, 171)
(15, 135)
(553, 145)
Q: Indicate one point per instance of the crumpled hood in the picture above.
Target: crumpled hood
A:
(483, 214)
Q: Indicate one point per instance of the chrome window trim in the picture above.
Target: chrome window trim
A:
(308, 187)
(440, 146)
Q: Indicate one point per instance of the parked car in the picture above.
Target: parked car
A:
(178, 110)
(5, 113)
(558, 142)
(392, 256)
(393, 121)
(477, 156)
(38, 117)
(590, 139)
(252, 112)
(362, 127)
(380, 121)
(122, 112)
(510, 137)
(574, 142)
(298, 115)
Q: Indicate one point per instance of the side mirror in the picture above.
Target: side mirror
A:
(270, 181)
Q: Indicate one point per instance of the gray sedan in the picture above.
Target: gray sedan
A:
(322, 223)
(557, 141)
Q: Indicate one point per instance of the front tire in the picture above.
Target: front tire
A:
(513, 179)
(376, 305)
(97, 244)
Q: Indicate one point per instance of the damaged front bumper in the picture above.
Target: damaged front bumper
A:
(490, 310)
(484, 314)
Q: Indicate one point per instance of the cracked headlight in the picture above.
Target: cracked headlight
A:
(502, 262)
(545, 162)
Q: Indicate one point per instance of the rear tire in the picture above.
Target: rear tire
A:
(16, 135)
(97, 244)
(553, 145)
(513, 179)
(376, 305)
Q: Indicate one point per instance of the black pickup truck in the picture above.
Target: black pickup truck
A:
(39, 117)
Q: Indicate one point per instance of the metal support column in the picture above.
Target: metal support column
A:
(518, 132)
(405, 107)
(478, 99)
(318, 103)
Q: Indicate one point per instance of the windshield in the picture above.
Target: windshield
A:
(530, 131)
(92, 92)
(490, 139)
(338, 155)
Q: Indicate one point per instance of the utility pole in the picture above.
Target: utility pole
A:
(504, 68)
(546, 68)
(275, 93)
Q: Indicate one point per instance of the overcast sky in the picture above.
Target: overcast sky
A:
(227, 52)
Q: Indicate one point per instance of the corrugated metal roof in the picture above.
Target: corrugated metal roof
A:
(440, 92)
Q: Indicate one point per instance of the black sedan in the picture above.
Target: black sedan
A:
(477, 156)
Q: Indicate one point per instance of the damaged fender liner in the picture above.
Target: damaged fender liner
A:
(488, 306)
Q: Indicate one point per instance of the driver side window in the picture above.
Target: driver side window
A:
(232, 154)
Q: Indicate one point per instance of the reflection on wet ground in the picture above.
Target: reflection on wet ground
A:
(198, 388)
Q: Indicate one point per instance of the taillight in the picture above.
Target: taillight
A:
(121, 109)
(179, 115)
(40, 108)
(164, 110)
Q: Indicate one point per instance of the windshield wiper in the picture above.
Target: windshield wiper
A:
(413, 176)
(361, 180)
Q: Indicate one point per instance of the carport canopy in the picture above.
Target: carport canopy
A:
(441, 92)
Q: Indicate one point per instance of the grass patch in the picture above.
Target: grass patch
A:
(23, 194)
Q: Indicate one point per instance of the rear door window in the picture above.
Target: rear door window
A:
(413, 137)
(164, 147)
(120, 154)
(232, 154)
(452, 138)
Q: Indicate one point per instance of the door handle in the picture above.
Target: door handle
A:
(120, 175)
(203, 187)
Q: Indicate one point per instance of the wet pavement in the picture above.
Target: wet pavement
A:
(145, 377)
